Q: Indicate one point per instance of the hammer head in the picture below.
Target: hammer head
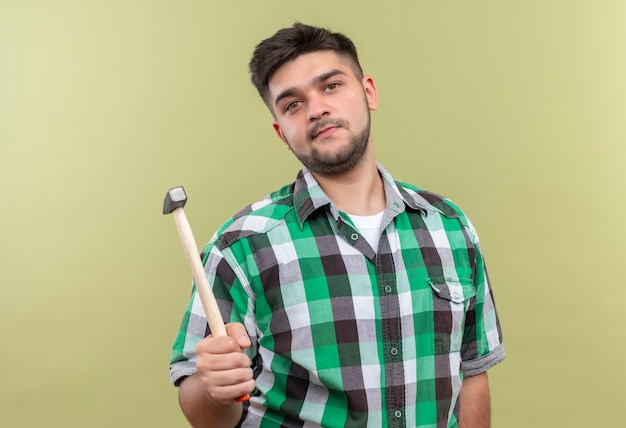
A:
(175, 198)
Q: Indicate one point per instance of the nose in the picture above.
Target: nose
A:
(317, 108)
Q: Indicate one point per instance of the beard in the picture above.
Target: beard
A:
(341, 161)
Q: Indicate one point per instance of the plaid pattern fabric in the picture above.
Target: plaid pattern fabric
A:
(344, 335)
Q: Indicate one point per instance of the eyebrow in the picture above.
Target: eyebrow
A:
(316, 81)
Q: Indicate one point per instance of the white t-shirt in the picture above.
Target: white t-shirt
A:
(369, 226)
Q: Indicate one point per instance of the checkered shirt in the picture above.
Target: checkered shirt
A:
(343, 335)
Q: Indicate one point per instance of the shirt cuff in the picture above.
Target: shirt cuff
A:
(480, 365)
(180, 370)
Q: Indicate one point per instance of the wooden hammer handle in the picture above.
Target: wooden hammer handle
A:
(211, 310)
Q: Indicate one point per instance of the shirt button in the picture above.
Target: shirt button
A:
(354, 236)
(398, 414)
(456, 295)
(394, 351)
(388, 288)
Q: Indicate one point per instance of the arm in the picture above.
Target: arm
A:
(207, 398)
(475, 402)
(201, 410)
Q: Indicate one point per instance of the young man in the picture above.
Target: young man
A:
(352, 299)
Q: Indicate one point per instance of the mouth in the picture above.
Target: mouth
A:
(326, 129)
(325, 132)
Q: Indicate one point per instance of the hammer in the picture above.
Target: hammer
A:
(175, 200)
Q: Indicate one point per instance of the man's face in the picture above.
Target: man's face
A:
(322, 111)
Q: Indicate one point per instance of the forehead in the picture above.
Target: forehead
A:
(303, 70)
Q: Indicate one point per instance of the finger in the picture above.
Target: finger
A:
(220, 362)
(232, 377)
(229, 393)
(218, 345)
(238, 331)
(239, 381)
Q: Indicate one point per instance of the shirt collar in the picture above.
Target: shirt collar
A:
(308, 196)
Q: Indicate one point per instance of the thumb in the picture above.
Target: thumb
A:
(237, 331)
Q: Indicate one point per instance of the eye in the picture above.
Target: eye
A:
(331, 86)
(292, 105)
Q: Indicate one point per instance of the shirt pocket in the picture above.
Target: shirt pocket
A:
(451, 299)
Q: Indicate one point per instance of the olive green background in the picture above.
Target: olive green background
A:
(513, 109)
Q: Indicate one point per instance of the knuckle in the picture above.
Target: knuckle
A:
(243, 360)
(243, 375)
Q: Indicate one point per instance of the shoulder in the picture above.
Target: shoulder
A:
(432, 201)
(256, 218)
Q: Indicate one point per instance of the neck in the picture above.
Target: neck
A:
(359, 192)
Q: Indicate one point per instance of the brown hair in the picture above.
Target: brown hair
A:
(287, 44)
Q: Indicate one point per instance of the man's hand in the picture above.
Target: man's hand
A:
(207, 398)
(223, 367)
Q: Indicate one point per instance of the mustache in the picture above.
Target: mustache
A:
(340, 123)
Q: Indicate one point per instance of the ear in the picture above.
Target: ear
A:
(370, 92)
(279, 132)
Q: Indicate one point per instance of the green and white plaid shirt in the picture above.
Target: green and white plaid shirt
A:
(344, 335)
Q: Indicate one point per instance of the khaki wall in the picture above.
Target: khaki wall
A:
(513, 109)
